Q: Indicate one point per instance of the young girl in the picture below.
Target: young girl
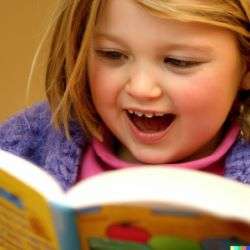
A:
(142, 82)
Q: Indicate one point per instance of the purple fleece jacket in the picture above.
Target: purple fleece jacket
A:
(31, 135)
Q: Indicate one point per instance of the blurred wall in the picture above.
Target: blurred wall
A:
(22, 24)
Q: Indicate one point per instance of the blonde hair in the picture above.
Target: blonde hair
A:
(66, 77)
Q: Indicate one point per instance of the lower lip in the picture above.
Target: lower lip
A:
(147, 138)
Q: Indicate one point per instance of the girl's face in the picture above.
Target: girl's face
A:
(164, 88)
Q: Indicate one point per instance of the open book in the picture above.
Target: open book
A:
(144, 208)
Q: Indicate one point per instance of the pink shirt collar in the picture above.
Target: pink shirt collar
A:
(99, 157)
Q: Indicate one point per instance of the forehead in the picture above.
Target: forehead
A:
(116, 12)
(112, 10)
(130, 21)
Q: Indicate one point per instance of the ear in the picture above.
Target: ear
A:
(245, 83)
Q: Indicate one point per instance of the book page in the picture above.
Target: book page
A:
(194, 189)
(157, 227)
(32, 175)
(25, 218)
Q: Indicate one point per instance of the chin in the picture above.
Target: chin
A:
(152, 160)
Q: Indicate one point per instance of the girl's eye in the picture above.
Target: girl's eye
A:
(110, 54)
(180, 63)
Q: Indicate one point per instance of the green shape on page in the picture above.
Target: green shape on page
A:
(108, 244)
(173, 243)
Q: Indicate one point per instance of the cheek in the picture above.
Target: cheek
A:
(96, 74)
(98, 80)
(105, 79)
(205, 95)
(105, 84)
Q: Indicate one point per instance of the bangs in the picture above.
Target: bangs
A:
(227, 14)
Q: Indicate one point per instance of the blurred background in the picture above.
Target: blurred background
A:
(22, 25)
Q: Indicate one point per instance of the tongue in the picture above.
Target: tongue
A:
(152, 125)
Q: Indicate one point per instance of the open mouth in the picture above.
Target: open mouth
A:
(151, 123)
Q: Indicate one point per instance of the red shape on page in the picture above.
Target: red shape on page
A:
(129, 232)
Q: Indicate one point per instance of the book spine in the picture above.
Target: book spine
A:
(64, 220)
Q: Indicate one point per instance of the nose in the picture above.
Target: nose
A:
(143, 84)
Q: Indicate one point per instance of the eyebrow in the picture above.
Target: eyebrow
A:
(169, 46)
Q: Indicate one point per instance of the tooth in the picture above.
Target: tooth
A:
(159, 114)
(130, 111)
(149, 115)
(138, 113)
